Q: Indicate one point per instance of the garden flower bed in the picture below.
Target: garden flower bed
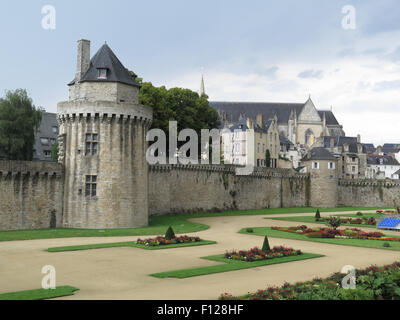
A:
(372, 283)
(257, 254)
(386, 211)
(162, 241)
(367, 221)
(352, 233)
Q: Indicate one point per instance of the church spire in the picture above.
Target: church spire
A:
(202, 88)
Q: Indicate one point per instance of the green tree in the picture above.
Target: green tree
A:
(170, 234)
(266, 247)
(185, 106)
(19, 120)
(317, 215)
(268, 158)
(54, 152)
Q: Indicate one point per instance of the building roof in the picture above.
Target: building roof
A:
(390, 148)
(240, 125)
(48, 130)
(268, 109)
(318, 153)
(397, 172)
(341, 140)
(284, 140)
(116, 72)
(329, 116)
(369, 147)
(382, 160)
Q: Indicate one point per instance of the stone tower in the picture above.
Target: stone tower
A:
(323, 169)
(103, 145)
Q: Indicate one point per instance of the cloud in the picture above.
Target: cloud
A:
(271, 72)
(387, 85)
(307, 74)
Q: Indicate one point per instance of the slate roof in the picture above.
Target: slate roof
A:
(341, 140)
(49, 120)
(319, 153)
(285, 141)
(369, 147)
(252, 109)
(329, 116)
(116, 72)
(390, 148)
(386, 160)
(267, 109)
(240, 125)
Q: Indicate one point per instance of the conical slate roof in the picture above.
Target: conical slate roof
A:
(116, 72)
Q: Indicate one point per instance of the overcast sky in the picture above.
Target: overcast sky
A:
(256, 50)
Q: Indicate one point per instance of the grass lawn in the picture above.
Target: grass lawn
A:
(39, 294)
(377, 244)
(159, 225)
(229, 265)
(129, 244)
(311, 219)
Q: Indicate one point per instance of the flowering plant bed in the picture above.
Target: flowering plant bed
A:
(366, 221)
(256, 254)
(372, 283)
(385, 211)
(181, 242)
(352, 233)
(162, 241)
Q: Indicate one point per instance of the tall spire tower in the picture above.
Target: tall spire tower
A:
(202, 88)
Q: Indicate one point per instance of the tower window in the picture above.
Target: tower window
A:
(102, 74)
(92, 140)
(91, 186)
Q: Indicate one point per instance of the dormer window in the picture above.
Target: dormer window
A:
(102, 74)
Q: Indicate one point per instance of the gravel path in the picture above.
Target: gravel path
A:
(122, 273)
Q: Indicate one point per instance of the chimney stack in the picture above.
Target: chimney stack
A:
(359, 138)
(83, 62)
(260, 120)
(332, 143)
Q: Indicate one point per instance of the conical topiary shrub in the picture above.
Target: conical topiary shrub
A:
(170, 234)
(265, 246)
(317, 215)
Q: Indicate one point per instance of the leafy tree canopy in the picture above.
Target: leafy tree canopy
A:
(19, 120)
(185, 106)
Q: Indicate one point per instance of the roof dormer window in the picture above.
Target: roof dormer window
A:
(102, 74)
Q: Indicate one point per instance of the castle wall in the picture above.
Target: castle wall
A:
(184, 189)
(368, 193)
(30, 195)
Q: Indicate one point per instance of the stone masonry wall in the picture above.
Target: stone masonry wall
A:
(30, 195)
(184, 189)
(368, 193)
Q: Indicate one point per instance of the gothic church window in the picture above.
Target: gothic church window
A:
(309, 137)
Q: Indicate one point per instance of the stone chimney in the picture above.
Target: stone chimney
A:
(250, 123)
(332, 143)
(260, 120)
(83, 61)
(358, 138)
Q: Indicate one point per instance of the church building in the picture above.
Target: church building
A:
(301, 123)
